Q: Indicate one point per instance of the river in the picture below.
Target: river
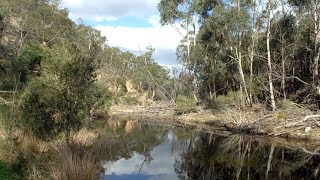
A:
(163, 152)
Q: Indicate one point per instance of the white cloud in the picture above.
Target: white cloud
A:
(163, 38)
(93, 10)
(136, 38)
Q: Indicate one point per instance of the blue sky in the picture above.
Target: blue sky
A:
(128, 24)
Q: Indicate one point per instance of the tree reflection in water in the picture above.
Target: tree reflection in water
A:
(238, 157)
(202, 155)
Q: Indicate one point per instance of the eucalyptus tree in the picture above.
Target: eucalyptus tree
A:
(181, 12)
(223, 25)
(268, 19)
(311, 9)
(27, 27)
(284, 41)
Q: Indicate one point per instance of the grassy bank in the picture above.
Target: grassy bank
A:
(289, 121)
(26, 157)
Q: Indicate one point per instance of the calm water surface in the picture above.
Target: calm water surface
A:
(155, 152)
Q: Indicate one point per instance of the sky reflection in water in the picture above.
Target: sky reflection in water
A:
(161, 166)
(187, 154)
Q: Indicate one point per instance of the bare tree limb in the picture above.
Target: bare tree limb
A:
(304, 119)
(3, 101)
(7, 92)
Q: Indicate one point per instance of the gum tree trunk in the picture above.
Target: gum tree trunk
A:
(273, 103)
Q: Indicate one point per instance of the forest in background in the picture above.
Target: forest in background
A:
(56, 74)
(267, 50)
(264, 50)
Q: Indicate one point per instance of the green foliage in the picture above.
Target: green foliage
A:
(28, 62)
(6, 172)
(185, 105)
(232, 98)
(233, 33)
(17, 72)
(61, 98)
(105, 98)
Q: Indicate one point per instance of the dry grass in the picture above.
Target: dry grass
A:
(35, 171)
(29, 145)
(75, 167)
(85, 137)
(54, 160)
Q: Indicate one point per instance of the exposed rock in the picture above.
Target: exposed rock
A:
(307, 129)
(130, 87)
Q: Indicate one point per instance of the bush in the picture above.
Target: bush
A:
(185, 105)
(105, 98)
(232, 98)
(62, 97)
(285, 104)
(129, 100)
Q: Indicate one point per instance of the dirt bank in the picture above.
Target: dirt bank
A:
(292, 121)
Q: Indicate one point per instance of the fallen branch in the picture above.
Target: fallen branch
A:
(303, 120)
(4, 101)
(309, 152)
(284, 132)
(263, 118)
(7, 92)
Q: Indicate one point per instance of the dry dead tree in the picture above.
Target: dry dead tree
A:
(296, 125)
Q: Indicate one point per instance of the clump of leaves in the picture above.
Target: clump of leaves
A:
(6, 172)
(185, 105)
(232, 98)
(105, 98)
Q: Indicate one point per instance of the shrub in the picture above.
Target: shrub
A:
(129, 100)
(105, 98)
(60, 99)
(6, 172)
(185, 105)
(232, 98)
(286, 104)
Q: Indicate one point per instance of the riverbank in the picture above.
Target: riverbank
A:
(103, 140)
(290, 121)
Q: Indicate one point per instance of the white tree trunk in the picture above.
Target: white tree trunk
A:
(239, 57)
(273, 103)
(316, 38)
(283, 63)
(243, 82)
